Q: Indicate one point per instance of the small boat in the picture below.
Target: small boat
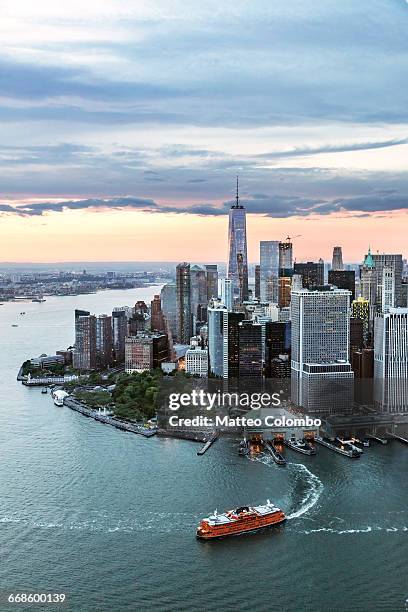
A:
(38, 299)
(349, 444)
(241, 520)
(14, 325)
(44, 390)
(338, 448)
(301, 446)
(243, 448)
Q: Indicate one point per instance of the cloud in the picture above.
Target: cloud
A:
(342, 148)
(277, 205)
(39, 208)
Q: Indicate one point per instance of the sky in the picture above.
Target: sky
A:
(124, 124)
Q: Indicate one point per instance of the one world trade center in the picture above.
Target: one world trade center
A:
(237, 244)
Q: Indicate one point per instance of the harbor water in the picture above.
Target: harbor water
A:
(109, 518)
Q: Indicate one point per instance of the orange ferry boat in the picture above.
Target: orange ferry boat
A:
(241, 520)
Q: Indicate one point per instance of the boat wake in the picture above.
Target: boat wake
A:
(314, 487)
(314, 490)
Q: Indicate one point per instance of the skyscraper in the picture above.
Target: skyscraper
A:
(230, 322)
(237, 247)
(157, 322)
(119, 333)
(391, 360)
(84, 357)
(343, 279)
(312, 273)
(226, 293)
(250, 350)
(393, 261)
(215, 338)
(321, 372)
(269, 270)
(360, 309)
(388, 288)
(211, 271)
(285, 259)
(169, 306)
(257, 282)
(104, 346)
(337, 259)
(145, 351)
(183, 296)
(198, 292)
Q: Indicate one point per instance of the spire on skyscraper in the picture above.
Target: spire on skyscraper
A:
(237, 204)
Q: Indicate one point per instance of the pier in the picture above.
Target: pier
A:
(377, 439)
(276, 456)
(396, 437)
(209, 442)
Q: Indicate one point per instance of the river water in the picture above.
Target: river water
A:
(109, 518)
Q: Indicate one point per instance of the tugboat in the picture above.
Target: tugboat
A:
(301, 446)
(243, 448)
(241, 520)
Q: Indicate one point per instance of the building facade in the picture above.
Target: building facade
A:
(391, 360)
(269, 270)
(183, 296)
(320, 369)
(237, 250)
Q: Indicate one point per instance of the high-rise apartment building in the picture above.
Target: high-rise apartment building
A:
(84, 357)
(146, 351)
(198, 291)
(104, 345)
(119, 333)
(183, 296)
(168, 296)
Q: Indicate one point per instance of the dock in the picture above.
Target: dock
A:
(377, 439)
(396, 437)
(341, 451)
(209, 442)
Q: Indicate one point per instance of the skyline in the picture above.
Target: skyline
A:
(123, 128)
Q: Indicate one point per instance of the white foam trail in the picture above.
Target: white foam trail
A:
(312, 495)
(315, 484)
(367, 529)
